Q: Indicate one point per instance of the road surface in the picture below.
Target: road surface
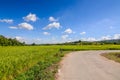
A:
(88, 65)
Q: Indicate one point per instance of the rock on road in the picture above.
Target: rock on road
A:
(88, 65)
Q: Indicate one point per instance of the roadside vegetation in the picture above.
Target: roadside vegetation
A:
(113, 56)
(28, 62)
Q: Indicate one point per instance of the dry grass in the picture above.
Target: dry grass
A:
(113, 56)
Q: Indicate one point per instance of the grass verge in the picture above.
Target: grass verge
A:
(112, 56)
(42, 70)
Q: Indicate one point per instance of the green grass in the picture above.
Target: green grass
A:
(17, 60)
(113, 56)
(88, 47)
(37, 62)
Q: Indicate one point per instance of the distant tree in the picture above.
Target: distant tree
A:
(33, 44)
(114, 43)
(9, 42)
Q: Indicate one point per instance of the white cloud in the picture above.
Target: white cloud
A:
(52, 19)
(6, 20)
(82, 33)
(65, 36)
(89, 39)
(116, 36)
(36, 41)
(19, 39)
(13, 27)
(92, 39)
(46, 33)
(52, 25)
(30, 17)
(25, 25)
(108, 37)
(69, 31)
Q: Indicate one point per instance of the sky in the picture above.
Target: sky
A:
(58, 21)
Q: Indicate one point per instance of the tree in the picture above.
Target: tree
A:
(9, 42)
(33, 44)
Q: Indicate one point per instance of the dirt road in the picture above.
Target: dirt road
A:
(88, 65)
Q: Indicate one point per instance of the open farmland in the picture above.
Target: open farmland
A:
(17, 60)
(34, 62)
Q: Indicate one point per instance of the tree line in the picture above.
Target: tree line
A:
(14, 42)
(115, 42)
(9, 41)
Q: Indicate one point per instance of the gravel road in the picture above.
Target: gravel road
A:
(88, 65)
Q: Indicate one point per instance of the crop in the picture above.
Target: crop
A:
(17, 60)
(37, 62)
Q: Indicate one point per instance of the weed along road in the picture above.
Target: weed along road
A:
(88, 65)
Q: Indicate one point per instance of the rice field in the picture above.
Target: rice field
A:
(37, 62)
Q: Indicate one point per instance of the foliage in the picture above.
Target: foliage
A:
(9, 42)
(103, 42)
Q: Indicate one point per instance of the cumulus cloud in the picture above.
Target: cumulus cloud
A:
(6, 20)
(30, 17)
(68, 31)
(116, 36)
(25, 25)
(65, 36)
(19, 38)
(92, 39)
(89, 39)
(46, 33)
(108, 37)
(36, 40)
(13, 27)
(52, 19)
(52, 25)
(82, 33)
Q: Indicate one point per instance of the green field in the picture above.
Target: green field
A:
(37, 62)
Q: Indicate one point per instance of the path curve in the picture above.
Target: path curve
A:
(88, 65)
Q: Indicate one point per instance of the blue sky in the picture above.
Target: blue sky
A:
(54, 21)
